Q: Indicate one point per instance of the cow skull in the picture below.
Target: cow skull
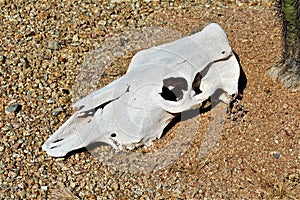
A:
(160, 82)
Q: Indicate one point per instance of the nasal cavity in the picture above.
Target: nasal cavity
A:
(173, 87)
(113, 135)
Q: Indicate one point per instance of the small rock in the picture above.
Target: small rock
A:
(75, 38)
(2, 57)
(53, 45)
(115, 186)
(240, 161)
(14, 108)
(16, 145)
(50, 101)
(15, 155)
(65, 168)
(94, 35)
(56, 111)
(72, 185)
(119, 54)
(44, 188)
(11, 174)
(77, 172)
(276, 155)
(53, 85)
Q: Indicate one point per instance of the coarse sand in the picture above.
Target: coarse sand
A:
(256, 154)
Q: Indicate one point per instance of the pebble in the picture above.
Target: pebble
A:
(75, 38)
(276, 155)
(53, 45)
(72, 184)
(2, 59)
(45, 188)
(240, 161)
(50, 101)
(14, 108)
(115, 186)
(56, 111)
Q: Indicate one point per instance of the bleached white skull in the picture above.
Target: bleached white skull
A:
(160, 82)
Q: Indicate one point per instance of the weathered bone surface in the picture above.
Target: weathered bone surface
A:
(160, 82)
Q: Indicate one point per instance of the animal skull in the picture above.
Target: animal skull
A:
(160, 82)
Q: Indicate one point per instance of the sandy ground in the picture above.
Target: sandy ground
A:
(256, 155)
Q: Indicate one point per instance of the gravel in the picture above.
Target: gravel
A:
(44, 43)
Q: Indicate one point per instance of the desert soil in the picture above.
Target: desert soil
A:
(43, 44)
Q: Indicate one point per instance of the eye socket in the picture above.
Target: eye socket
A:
(223, 52)
(173, 88)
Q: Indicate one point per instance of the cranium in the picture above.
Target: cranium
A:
(160, 82)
